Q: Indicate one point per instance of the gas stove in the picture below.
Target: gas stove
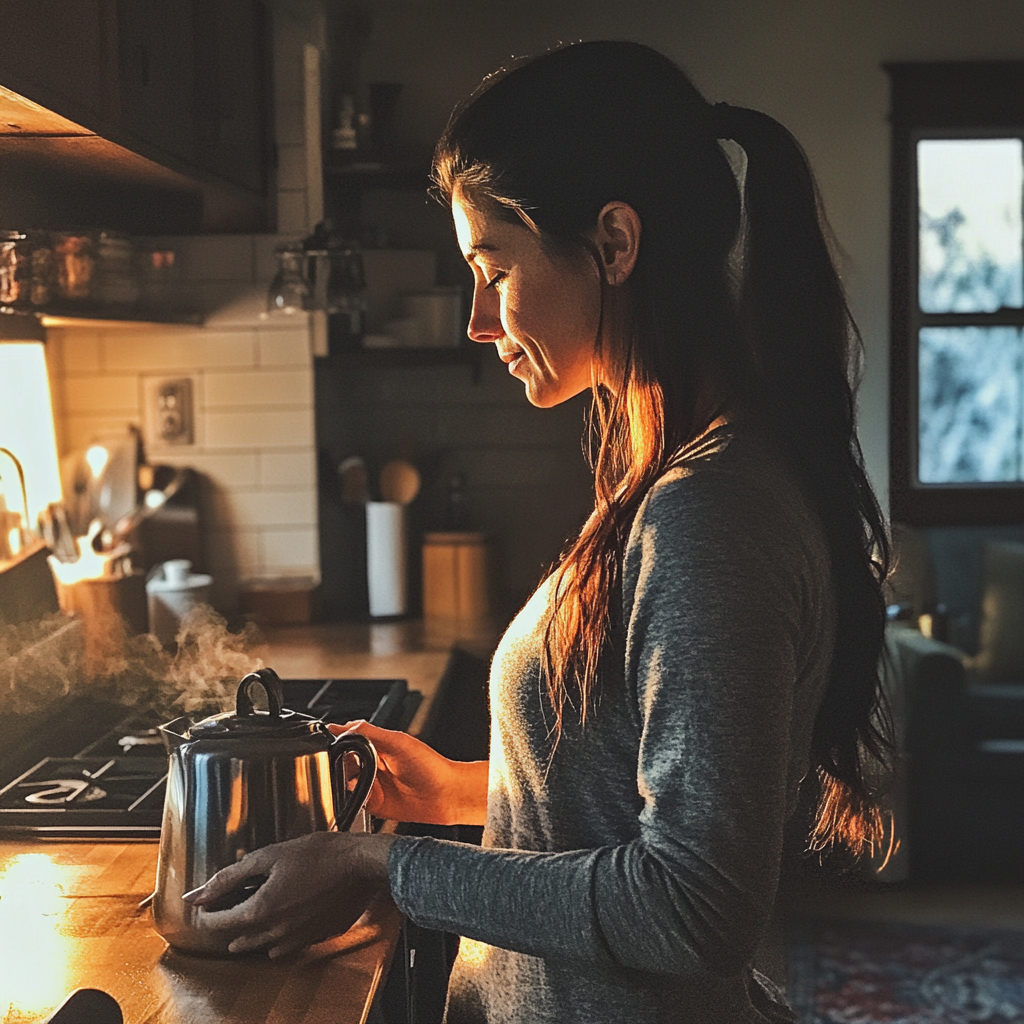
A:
(114, 787)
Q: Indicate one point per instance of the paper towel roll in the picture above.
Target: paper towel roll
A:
(385, 557)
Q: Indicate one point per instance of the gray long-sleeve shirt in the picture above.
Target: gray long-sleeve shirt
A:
(629, 871)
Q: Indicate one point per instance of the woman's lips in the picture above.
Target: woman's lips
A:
(512, 359)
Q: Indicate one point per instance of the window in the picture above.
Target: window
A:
(957, 368)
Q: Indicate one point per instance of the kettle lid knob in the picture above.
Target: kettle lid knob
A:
(270, 681)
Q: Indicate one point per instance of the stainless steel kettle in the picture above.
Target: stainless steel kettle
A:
(240, 781)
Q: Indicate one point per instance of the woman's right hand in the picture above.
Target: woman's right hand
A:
(415, 783)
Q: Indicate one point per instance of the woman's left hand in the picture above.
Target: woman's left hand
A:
(317, 886)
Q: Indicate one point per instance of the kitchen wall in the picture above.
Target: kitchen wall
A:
(527, 485)
(813, 64)
(253, 391)
(252, 376)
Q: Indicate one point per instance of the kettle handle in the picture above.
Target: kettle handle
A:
(271, 682)
(348, 804)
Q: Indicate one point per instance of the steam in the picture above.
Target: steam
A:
(56, 656)
(210, 661)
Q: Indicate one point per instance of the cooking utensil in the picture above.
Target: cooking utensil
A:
(399, 481)
(239, 781)
(355, 486)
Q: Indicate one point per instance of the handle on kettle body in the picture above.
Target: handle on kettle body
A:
(271, 683)
(348, 804)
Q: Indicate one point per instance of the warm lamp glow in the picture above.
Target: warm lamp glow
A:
(97, 457)
(91, 564)
(33, 947)
(26, 428)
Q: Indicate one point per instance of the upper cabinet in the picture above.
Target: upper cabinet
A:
(156, 69)
(148, 100)
(58, 54)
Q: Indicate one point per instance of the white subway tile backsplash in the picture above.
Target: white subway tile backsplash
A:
(254, 439)
(239, 469)
(263, 388)
(249, 509)
(231, 304)
(232, 552)
(291, 211)
(176, 350)
(216, 257)
(101, 396)
(287, 469)
(291, 167)
(289, 124)
(79, 350)
(294, 551)
(280, 346)
(267, 429)
(80, 431)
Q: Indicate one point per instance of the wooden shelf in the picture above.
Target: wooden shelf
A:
(67, 314)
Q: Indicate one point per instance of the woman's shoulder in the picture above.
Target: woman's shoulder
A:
(731, 484)
(727, 458)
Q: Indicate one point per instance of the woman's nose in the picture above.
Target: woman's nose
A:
(485, 318)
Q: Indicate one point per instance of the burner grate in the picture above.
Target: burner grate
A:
(114, 787)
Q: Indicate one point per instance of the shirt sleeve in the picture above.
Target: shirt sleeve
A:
(713, 619)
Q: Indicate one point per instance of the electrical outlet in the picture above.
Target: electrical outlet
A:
(168, 404)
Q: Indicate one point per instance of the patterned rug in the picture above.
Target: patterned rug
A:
(872, 972)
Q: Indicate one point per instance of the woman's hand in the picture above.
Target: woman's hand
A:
(317, 886)
(415, 783)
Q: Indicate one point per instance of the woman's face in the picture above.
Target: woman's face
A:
(541, 312)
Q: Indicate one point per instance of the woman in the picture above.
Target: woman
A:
(711, 637)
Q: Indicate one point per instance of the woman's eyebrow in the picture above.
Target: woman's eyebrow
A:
(473, 250)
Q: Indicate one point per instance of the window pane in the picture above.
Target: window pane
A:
(970, 224)
(969, 426)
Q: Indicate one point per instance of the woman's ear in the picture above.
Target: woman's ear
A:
(618, 241)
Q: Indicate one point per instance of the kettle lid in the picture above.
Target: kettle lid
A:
(245, 720)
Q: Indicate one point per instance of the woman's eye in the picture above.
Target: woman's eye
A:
(500, 276)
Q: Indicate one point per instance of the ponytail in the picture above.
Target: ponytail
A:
(802, 341)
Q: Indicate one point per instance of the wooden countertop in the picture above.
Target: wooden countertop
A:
(70, 918)
(414, 650)
(69, 914)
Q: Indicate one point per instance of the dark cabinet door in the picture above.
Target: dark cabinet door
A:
(232, 91)
(156, 65)
(56, 53)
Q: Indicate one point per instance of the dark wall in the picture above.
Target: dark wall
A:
(527, 484)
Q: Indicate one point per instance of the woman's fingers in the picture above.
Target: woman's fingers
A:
(225, 880)
(257, 940)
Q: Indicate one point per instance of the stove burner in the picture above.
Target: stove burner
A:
(63, 791)
(145, 738)
(114, 787)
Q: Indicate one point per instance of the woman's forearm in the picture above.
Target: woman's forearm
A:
(465, 803)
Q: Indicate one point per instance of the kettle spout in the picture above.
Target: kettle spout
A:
(173, 733)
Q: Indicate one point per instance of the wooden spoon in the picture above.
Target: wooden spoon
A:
(399, 481)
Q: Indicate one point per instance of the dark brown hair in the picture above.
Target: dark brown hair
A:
(550, 141)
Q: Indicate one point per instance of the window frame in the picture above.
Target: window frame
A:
(977, 99)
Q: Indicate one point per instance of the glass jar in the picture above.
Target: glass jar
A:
(44, 271)
(346, 296)
(15, 270)
(76, 265)
(289, 291)
(115, 279)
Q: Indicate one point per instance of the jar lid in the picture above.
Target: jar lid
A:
(161, 586)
